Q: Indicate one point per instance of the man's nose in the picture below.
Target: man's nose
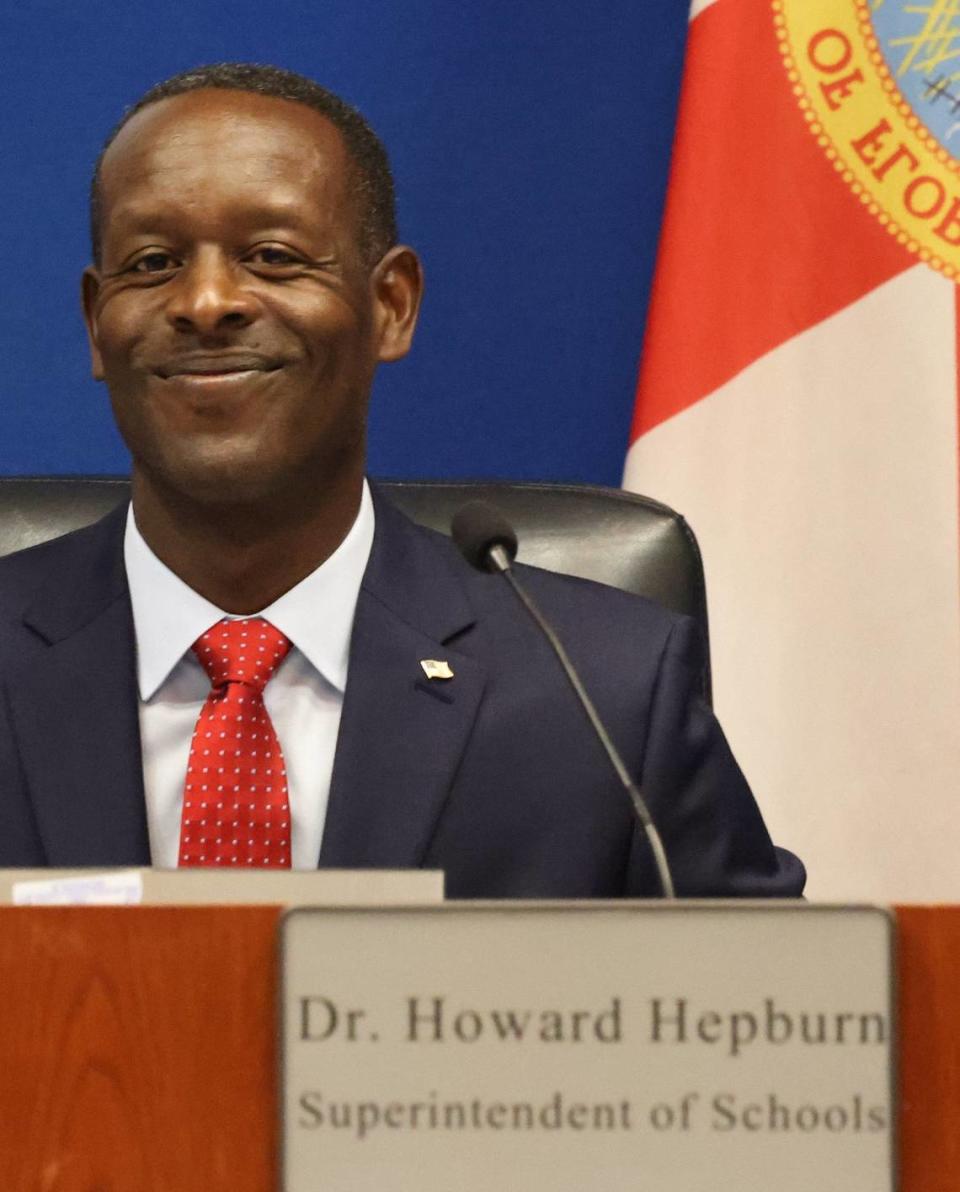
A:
(208, 297)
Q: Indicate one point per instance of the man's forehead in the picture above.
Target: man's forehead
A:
(246, 129)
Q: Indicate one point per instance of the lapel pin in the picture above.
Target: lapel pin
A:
(436, 668)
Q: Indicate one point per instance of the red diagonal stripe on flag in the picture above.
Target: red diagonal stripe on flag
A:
(761, 237)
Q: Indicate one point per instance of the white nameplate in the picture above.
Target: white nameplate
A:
(588, 1048)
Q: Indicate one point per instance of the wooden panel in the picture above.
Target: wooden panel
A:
(137, 1049)
(929, 997)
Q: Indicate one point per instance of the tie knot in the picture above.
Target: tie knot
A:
(244, 651)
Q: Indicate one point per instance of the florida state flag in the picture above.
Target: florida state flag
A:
(798, 403)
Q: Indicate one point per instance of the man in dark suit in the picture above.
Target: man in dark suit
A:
(246, 283)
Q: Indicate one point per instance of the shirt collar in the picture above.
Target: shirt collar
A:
(316, 615)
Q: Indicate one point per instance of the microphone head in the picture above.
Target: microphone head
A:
(477, 527)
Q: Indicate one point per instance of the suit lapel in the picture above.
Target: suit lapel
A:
(401, 734)
(401, 737)
(75, 707)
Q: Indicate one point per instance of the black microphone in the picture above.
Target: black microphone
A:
(488, 542)
(485, 538)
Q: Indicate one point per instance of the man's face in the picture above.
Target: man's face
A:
(232, 315)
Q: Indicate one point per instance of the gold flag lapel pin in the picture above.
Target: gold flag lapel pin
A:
(436, 668)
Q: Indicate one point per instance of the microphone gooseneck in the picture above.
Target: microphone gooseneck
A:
(488, 542)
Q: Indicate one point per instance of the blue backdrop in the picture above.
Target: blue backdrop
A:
(530, 141)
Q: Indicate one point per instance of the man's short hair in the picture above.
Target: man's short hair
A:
(372, 181)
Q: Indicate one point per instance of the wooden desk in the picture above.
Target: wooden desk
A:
(138, 1049)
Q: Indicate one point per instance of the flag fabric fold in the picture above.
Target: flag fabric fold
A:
(797, 402)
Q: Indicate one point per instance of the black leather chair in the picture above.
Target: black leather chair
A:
(617, 538)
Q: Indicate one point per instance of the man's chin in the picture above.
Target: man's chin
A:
(218, 474)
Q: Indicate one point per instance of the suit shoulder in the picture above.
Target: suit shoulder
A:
(570, 600)
(589, 595)
(21, 571)
(59, 564)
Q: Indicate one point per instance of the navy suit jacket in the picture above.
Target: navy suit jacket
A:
(493, 776)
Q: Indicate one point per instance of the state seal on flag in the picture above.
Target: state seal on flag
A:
(878, 82)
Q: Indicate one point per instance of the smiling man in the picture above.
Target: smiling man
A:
(230, 672)
(237, 311)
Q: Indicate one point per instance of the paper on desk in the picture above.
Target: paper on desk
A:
(99, 889)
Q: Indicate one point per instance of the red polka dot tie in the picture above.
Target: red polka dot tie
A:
(235, 805)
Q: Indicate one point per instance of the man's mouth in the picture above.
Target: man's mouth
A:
(212, 365)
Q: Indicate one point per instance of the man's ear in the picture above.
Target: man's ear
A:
(397, 283)
(89, 290)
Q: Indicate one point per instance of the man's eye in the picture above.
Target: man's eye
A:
(274, 256)
(154, 262)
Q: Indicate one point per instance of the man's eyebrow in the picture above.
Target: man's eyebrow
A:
(135, 216)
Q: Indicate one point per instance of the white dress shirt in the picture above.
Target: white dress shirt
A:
(304, 698)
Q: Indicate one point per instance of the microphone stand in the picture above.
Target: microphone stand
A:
(499, 560)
